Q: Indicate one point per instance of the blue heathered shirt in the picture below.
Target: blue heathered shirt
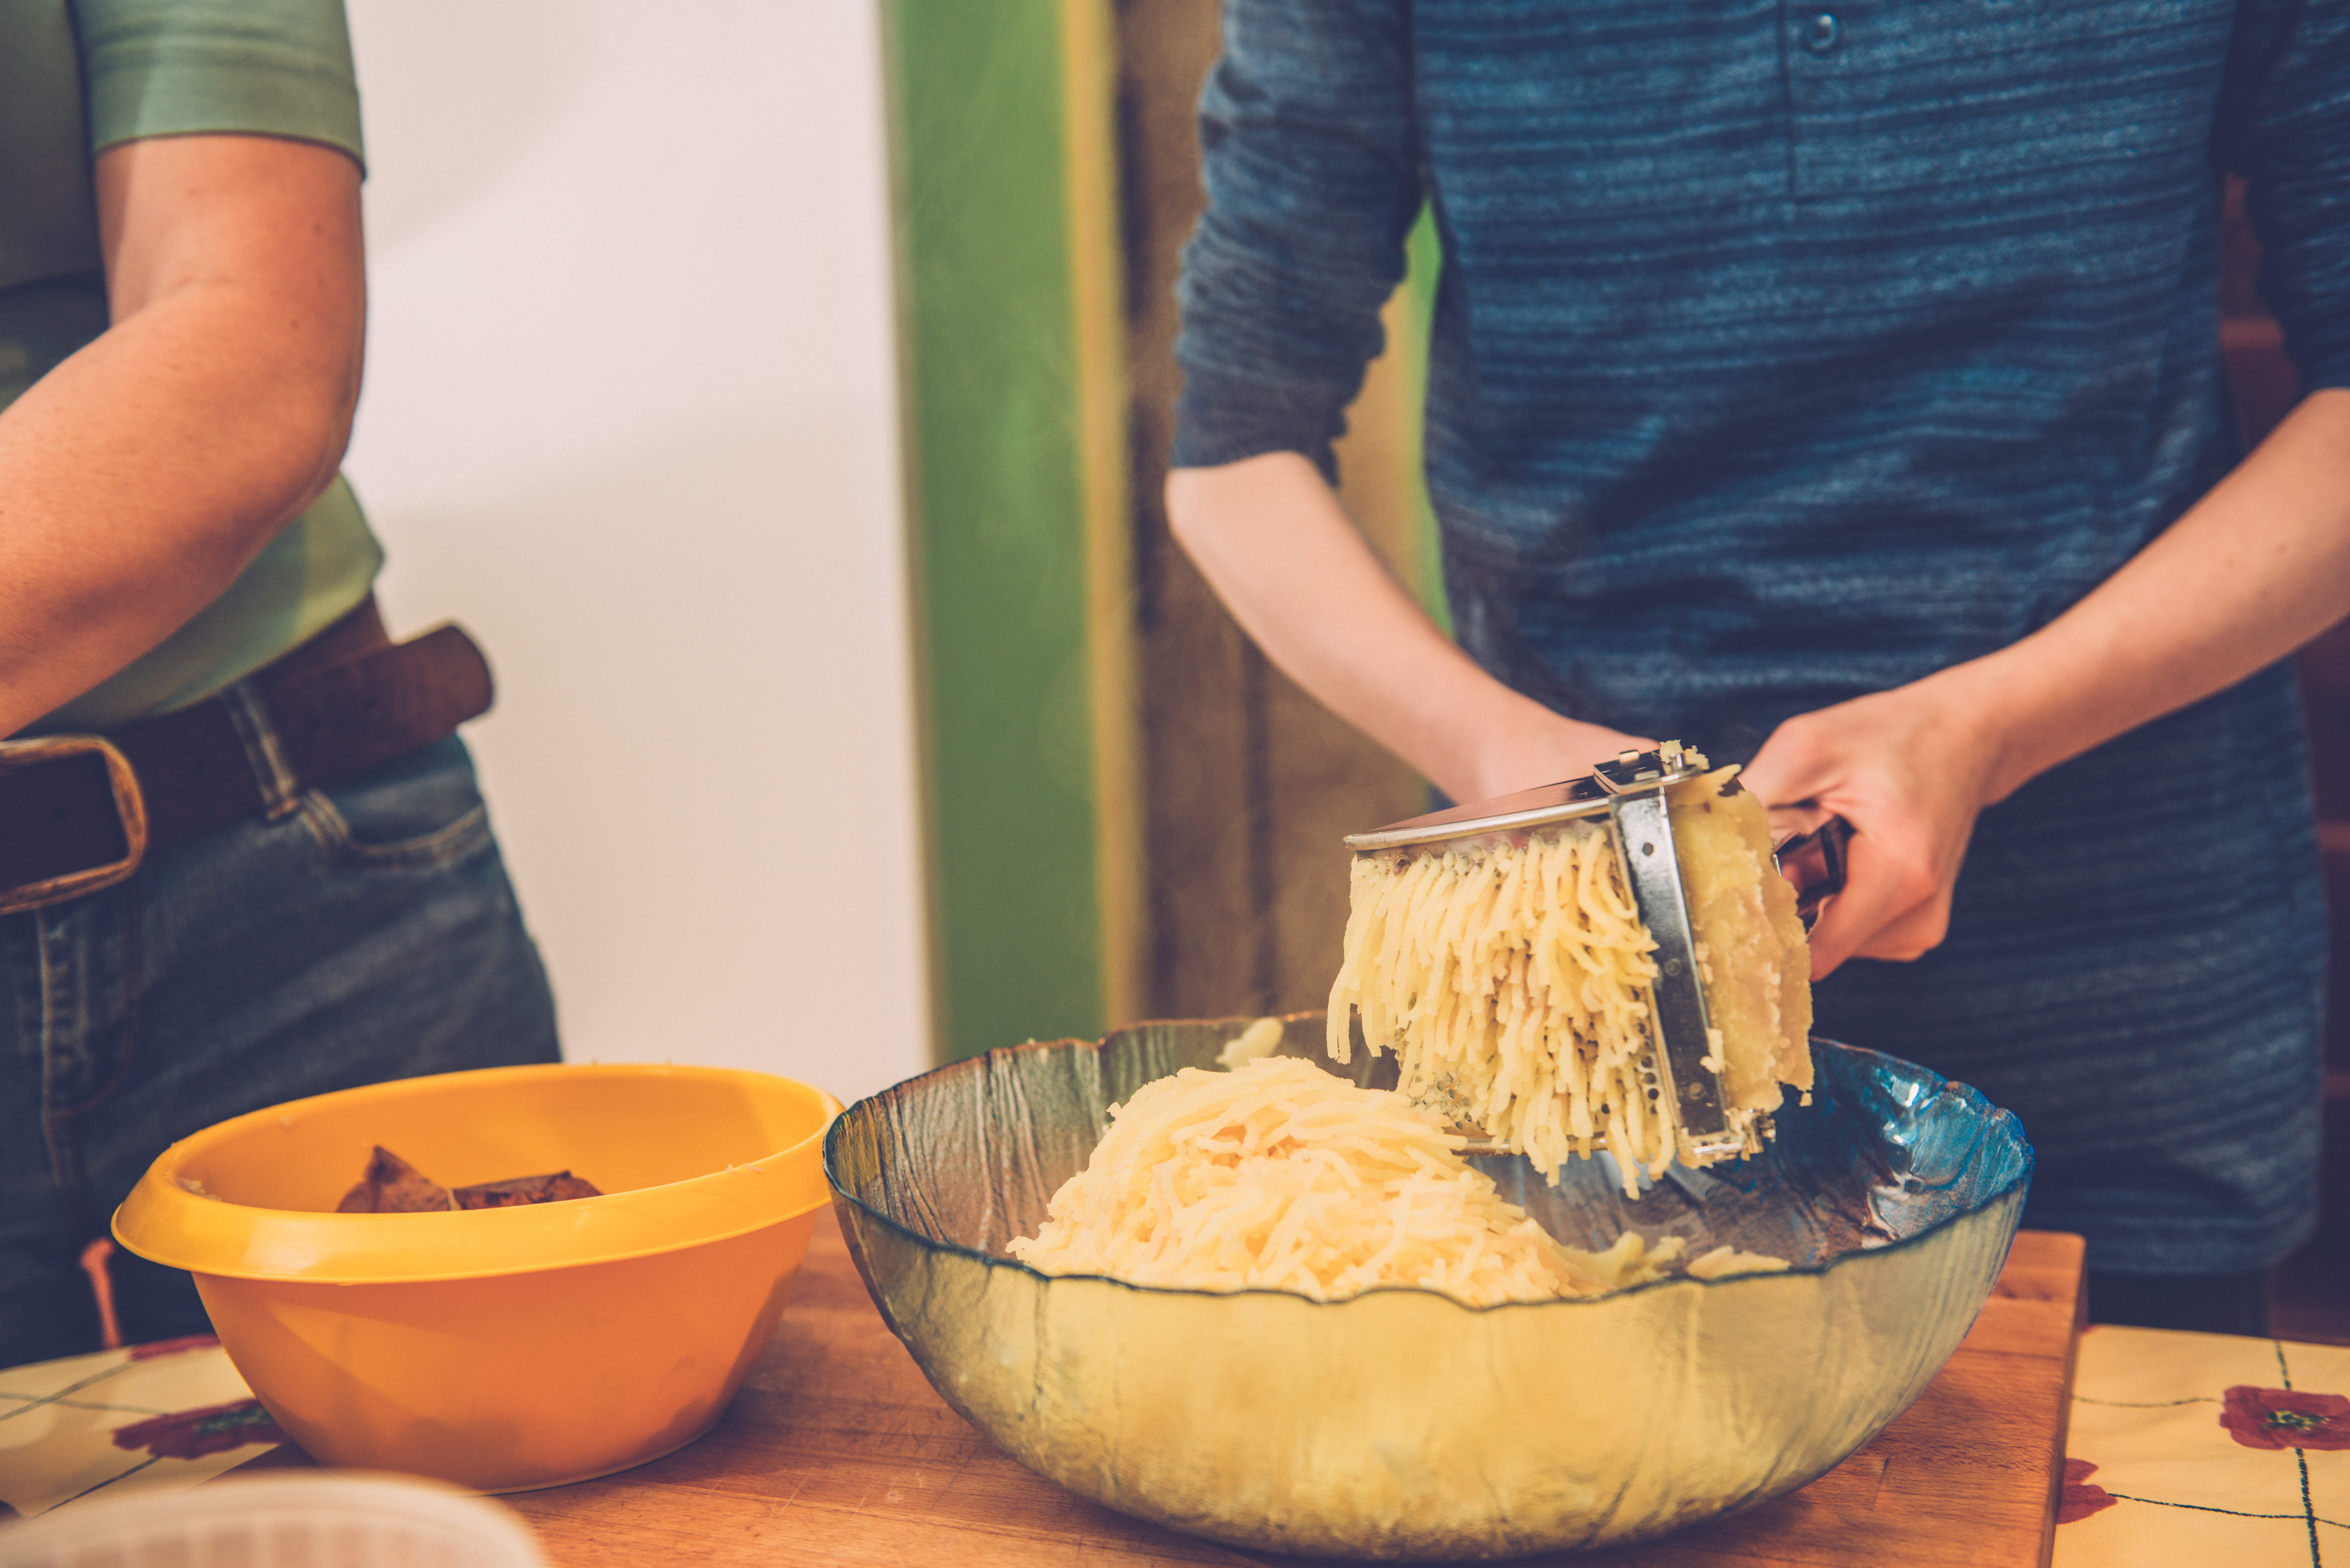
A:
(1784, 354)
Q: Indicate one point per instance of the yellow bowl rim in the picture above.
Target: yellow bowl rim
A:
(166, 1223)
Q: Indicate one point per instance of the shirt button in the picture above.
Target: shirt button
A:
(1823, 33)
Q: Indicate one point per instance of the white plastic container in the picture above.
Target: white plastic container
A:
(340, 1520)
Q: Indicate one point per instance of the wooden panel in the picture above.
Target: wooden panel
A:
(1096, 278)
(1325, 780)
(1247, 783)
(839, 1452)
(1192, 664)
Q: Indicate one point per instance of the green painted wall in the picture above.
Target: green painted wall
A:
(996, 505)
(1423, 262)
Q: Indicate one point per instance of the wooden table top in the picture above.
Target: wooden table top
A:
(838, 1451)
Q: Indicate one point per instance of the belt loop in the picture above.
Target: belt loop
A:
(279, 787)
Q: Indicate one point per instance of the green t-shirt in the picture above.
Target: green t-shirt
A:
(78, 76)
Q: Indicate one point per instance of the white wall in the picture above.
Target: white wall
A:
(629, 415)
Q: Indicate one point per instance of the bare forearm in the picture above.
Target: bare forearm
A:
(136, 480)
(138, 477)
(1271, 540)
(2252, 572)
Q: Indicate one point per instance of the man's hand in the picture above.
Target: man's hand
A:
(1909, 769)
(2250, 572)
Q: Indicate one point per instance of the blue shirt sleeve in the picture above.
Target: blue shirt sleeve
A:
(2285, 127)
(1310, 158)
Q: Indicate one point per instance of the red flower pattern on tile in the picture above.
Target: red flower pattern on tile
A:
(191, 1434)
(2285, 1419)
(154, 1348)
(2080, 1499)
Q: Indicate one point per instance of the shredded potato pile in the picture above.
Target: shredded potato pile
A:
(1511, 978)
(1512, 985)
(1279, 1176)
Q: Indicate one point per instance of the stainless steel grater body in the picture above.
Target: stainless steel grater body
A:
(1630, 793)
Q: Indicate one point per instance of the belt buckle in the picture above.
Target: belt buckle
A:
(130, 809)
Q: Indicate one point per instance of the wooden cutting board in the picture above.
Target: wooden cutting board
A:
(836, 1451)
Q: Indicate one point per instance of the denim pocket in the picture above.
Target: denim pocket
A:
(419, 811)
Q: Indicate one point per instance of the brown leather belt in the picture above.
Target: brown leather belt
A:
(77, 813)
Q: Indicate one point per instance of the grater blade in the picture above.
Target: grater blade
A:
(1630, 793)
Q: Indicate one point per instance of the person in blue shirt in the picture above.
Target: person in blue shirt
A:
(1839, 392)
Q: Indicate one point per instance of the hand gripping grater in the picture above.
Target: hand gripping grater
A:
(1630, 793)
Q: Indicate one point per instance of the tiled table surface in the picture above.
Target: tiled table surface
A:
(2206, 1448)
(155, 1416)
(2185, 1448)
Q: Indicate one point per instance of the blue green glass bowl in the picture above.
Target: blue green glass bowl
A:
(1401, 1424)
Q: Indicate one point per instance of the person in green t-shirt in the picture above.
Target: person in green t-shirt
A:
(182, 303)
(188, 453)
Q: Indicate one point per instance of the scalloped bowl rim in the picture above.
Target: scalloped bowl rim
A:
(2022, 1179)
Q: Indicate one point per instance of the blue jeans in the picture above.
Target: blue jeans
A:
(348, 936)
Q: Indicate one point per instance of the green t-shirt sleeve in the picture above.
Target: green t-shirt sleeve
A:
(183, 68)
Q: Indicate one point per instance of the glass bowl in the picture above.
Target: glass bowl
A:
(1399, 1423)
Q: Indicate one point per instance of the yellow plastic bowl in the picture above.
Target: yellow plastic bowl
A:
(501, 1349)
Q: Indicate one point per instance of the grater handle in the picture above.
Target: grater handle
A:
(1814, 862)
